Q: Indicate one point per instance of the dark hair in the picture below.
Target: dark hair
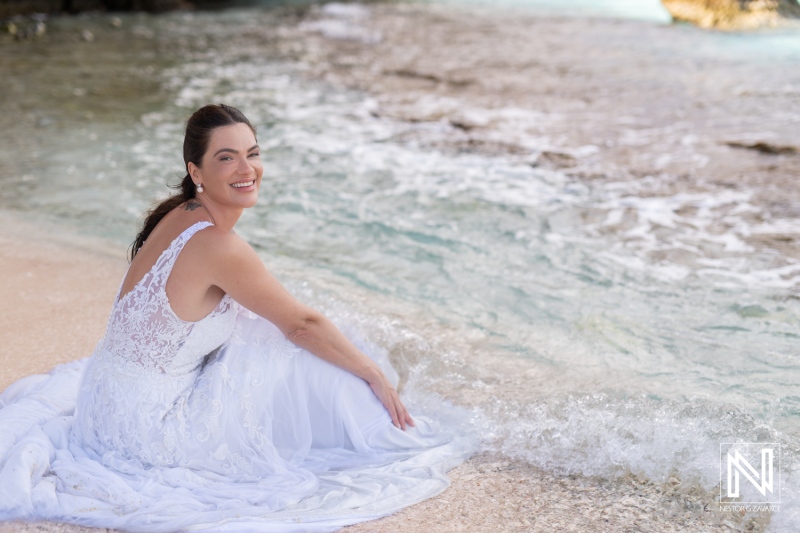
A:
(195, 143)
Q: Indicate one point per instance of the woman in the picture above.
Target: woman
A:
(203, 406)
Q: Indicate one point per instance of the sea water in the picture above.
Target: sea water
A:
(562, 314)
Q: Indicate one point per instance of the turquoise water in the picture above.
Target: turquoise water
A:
(592, 328)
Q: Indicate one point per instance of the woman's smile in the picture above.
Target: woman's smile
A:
(242, 184)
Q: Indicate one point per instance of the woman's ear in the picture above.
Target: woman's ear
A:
(194, 171)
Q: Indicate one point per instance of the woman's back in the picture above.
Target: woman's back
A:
(145, 330)
(190, 296)
(148, 359)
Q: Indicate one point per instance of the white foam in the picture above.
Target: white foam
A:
(342, 21)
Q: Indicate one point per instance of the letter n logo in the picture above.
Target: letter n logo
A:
(738, 464)
(739, 468)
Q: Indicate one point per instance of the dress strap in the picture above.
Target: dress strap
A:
(164, 264)
(159, 273)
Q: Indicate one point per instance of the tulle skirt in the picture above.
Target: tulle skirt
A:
(269, 438)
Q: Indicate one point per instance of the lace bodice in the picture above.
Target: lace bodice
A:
(145, 335)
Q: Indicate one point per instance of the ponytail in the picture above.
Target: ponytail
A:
(153, 217)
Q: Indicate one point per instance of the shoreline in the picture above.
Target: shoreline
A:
(67, 282)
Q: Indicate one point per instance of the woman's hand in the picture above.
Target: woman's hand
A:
(391, 401)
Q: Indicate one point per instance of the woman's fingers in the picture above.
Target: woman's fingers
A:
(401, 412)
(403, 415)
(409, 420)
(383, 391)
(391, 401)
(393, 412)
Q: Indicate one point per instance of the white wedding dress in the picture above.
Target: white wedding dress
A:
(220, 424)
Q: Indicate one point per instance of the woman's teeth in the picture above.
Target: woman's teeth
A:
(242, 184)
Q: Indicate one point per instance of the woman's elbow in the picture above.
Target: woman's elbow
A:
(305, 327)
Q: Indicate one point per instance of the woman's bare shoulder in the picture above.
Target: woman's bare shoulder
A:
(176, 222)
(220, 246)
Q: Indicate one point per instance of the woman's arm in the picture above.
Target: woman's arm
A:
(319, 336)
(236, 268)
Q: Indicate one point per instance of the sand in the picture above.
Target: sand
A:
(55, 296)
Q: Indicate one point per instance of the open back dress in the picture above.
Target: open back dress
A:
(220, 424)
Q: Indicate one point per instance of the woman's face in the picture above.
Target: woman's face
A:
(231, 168)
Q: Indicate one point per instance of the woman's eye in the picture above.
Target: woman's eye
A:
(255, 154)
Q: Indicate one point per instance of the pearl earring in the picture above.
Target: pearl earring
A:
(199, 187)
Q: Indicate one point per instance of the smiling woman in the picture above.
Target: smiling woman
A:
(215, 400)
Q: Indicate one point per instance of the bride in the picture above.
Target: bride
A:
(215, 400)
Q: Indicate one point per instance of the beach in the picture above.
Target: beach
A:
(582, 229)
(56, 296)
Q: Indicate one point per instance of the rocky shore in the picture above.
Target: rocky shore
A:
(735, 14)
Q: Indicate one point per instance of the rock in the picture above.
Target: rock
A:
(39, 28)
(554, 160)
(11, 8)
(765, 147)
(26, 30)
(144, 5)
(734, 14)
(44, 122)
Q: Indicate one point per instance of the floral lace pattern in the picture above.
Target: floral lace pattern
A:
(144, 333)
(135, 392)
